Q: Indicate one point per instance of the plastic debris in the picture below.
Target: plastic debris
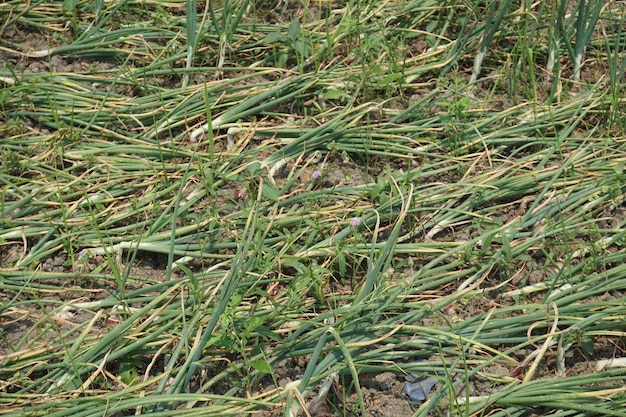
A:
(418, 387)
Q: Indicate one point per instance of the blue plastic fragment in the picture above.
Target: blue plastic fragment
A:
(419, 389)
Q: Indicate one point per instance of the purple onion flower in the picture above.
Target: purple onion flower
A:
(316, 174)
(355, 222)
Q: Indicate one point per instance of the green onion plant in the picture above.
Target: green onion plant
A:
(362, 190)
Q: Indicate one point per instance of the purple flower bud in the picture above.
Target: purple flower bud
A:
(316, 174)
(355, 222)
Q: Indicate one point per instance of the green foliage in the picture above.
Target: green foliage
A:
(312, 193)
(12, 164)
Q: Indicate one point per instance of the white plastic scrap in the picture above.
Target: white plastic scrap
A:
(611, 363)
